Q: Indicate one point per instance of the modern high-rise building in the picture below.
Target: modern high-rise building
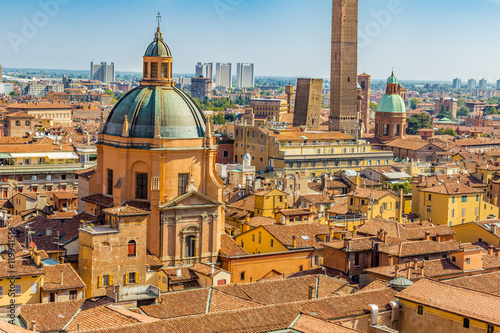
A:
(472, 84)
(308, 103)
(103, 72)
(245, 75)
(1, 74)
(205, 69)
(223, 75)
(344, 62)
(483, 84)
(457, 83)
(498, 84)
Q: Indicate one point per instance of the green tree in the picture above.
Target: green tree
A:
(463, 111)
(13, 93)
(444, 113)
(414, 103)
(418, 121)
(373, 105)
(219, 119)
(490, 111)
(461, 102)
(448, 131)
(406, 187)
(230, 117)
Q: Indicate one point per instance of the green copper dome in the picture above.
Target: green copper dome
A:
(392, 79)
(158, 49)
(178, 114)
(391, 103)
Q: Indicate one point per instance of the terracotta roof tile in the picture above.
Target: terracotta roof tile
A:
(464, 302)
(229, 247)
(70, 278)
(125, 211)
(99, 199)
(310, 324)
(486, 283)
(22, 267)
(305, 234)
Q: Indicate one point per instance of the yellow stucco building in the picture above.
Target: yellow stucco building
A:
(451, 204)
(375, 203)
(268, 202)
(313, 153)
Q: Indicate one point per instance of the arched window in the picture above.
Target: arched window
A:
(18, 123)
(27, 122)
(242, 276)
(132, 248)
(189, 246)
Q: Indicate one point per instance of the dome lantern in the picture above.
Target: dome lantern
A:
(157, 64)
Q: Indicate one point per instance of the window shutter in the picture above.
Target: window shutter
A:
(126, 278)
(99, 281)
(111, 279)
(137, 277)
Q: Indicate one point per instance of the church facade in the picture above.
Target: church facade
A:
(156, 152)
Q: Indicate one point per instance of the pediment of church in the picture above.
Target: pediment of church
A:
(191, 199)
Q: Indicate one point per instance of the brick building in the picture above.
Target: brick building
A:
(344, 61)
(308, 103)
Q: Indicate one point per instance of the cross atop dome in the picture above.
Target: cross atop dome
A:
(158, 19)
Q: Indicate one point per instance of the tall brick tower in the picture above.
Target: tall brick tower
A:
(308, 103)
(364, 82)
(343, 96)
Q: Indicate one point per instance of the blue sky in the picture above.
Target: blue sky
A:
(421, 39)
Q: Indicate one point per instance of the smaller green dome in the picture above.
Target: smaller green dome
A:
(158, 48)
(391, 103)
(392, 79)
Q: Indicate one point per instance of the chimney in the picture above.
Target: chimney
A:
(294, 241)
(493, 228)
(396, 272)
(422, 269)
(212, 271)
(347, 243)
(384, 236)
(179, 272)
(491, 250)
(408, 271)
(62, 276)
(312, 291)
(427, 236)
(48, 232)
(62, 260)
(33, 326)
(415, 264)
(438, 238)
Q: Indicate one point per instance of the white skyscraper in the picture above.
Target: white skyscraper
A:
(205, 70)
(472, 84)
(245, 75)
(103, 72)
(498, 84)
(223, 75)
(457, 83)
(483, 84)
